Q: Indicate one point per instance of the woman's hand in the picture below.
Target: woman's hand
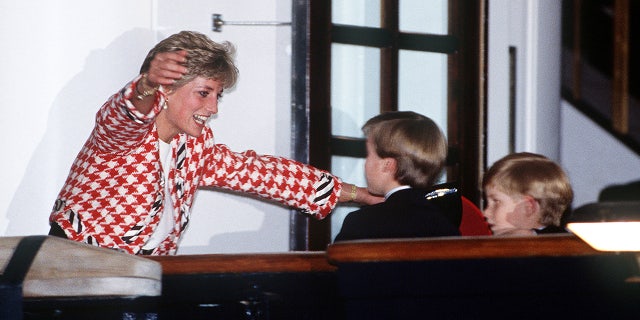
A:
(353, 193)
(166, 68)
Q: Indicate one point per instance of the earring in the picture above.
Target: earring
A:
(166, 103)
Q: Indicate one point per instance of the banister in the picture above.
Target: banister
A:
(458, 248)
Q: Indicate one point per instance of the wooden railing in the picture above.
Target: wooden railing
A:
(380, 250)
(459, 248)
(243, 263)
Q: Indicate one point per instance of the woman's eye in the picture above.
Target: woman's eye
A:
(204, 94)
(219, 96)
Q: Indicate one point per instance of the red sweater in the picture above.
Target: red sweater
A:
(114, 194)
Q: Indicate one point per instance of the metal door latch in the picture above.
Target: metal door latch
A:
(218, 23)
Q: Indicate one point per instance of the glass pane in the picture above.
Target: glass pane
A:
(424, 16)
(355, 88)
(350, 170)
(422, 80)
(364, 13)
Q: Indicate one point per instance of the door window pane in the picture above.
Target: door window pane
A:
(355, 88)
(422, 16)
(364, 13)
(422, 78)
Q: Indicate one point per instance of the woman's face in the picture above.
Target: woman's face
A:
(188, 108)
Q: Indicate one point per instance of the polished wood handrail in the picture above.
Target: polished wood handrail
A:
(447, 248)
(457, 248)
(315, 261)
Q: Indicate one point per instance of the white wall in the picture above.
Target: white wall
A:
(60, 61)
(533, 28)
(593, 159)
(64, 58)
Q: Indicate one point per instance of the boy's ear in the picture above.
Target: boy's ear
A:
(390, 165)
(532, 206)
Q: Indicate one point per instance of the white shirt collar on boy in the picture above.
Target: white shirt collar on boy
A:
(386, 196)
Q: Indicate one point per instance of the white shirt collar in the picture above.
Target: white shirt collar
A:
(386, 196)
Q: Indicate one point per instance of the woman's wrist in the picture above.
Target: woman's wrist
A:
(354, 193)
(140, 88)
(349, 192)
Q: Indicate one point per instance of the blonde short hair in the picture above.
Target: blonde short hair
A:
(534, 175)
(414, 141)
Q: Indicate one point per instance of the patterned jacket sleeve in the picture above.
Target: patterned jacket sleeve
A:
(311, 190)
(120, 127)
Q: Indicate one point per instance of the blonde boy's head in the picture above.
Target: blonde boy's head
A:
(414, 141)
(534, 175)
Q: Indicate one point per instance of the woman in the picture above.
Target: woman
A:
(132, 186)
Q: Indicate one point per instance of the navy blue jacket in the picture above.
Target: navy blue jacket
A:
(405, 214)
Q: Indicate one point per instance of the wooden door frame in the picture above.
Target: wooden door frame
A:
(311, 92)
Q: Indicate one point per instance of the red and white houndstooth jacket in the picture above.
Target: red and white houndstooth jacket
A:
(114, 194)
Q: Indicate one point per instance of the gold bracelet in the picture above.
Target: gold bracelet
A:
(146, 93)
(354, 191)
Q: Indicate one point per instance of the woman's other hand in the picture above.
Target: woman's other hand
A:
(166, 68)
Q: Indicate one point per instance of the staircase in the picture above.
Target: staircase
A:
(599, 77)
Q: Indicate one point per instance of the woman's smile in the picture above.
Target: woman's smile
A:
(200, 119)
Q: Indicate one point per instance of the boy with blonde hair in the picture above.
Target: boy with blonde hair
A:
(406, 154)
(526, 194)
